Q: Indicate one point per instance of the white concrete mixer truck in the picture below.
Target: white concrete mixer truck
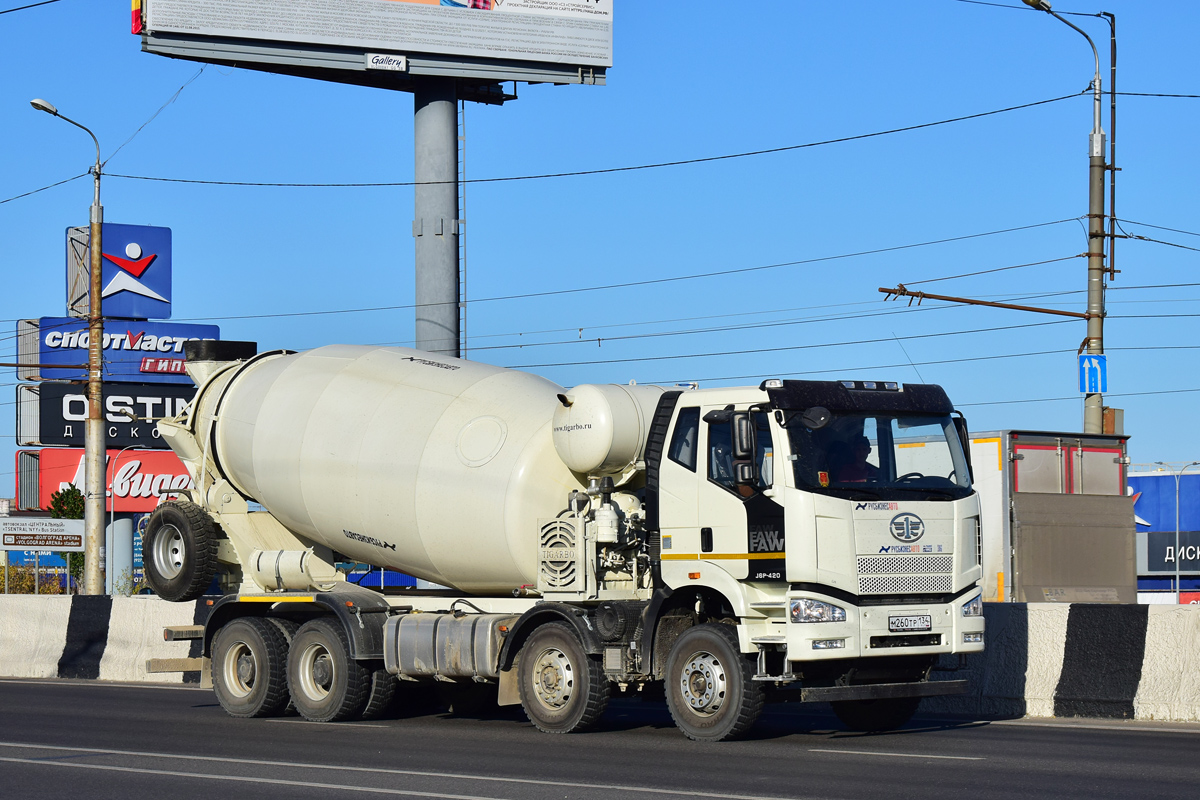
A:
(798, 540)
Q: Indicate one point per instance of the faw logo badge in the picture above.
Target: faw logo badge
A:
(907, 527)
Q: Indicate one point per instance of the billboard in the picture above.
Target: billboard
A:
(554, 31)
(1154, 513)
(55, 413)
(133, 351)
(135, 271)
(39, 533)
(136, 480)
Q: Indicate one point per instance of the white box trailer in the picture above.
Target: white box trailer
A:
(1056, 524)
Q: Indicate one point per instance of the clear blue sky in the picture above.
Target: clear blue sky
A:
(689, 81)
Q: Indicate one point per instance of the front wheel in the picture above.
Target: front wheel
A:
(869, 716)
(563, 689)
(710, 685)
(326, 684)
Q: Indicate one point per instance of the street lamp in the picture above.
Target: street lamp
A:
(1177, 475)
(1093, 404)
(93, 441)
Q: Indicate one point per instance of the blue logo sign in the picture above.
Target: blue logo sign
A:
(1093, 374)
(135, 273)
(133, 351)
(907, 527)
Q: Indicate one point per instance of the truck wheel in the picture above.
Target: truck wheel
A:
(710, 685)
(563, 690)
(382, 692)
(248, 666)
(326, 684)
(180, 550)
(876, 715)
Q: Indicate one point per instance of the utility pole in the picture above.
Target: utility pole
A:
(93, 441)
(1093, 403)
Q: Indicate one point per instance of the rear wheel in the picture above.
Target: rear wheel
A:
(710, 685)
(563, 689)
(249, 659)
(382, 693)
(326, 684)
(180, 549)
(876, 715)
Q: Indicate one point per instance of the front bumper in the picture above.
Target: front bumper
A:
(865, 631)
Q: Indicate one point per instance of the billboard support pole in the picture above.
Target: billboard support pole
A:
(435, 212)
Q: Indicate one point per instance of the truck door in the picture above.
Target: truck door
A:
(677, 484)
(741, 530)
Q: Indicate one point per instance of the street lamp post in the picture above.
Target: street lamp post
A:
(1178, 475)
(1093, 404)
(93, 442)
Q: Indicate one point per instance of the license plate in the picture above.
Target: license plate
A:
(916, 622)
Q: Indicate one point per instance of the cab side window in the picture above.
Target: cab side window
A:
(684, 442)
(720, 454)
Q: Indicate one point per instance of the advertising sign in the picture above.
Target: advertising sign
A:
(136, 480)
(551, 31)
(133, 351)
(136, 271)
(130, 412)
(1154, 513)
(40, 533)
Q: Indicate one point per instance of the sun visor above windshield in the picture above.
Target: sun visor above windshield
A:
(919, 398)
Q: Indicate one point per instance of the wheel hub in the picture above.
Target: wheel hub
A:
(703, 684)
(322, 671)
(239, 669)
(245, 669)
(168, 551)
(554, 678)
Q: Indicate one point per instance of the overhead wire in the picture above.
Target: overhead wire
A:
(612, 170)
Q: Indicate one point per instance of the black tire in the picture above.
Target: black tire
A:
(288, 628)
(382, 693)
(710, 686)
(563, 689)
(872, 716)
(180, 550)
(249, 659)
(326, 684)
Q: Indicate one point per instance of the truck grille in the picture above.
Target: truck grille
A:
(904, 565)
(928, 574)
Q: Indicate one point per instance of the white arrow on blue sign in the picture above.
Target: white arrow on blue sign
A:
(1093, 374)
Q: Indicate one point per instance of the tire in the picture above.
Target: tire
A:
(872, 716)
(249, 659)
(180, 550)
(563, 690)
(710, 686)
(326, 684)
(381, 695)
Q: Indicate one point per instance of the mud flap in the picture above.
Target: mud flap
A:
(510, 690)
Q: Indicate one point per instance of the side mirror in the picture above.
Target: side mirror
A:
(743, 436)
(964, 438)
(744, 473)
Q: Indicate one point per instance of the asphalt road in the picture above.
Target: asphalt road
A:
(95, 740)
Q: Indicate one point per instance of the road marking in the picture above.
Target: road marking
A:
(247, 779)
(895, 755)
(368, 770)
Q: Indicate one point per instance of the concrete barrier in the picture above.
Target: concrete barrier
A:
(1042, 660)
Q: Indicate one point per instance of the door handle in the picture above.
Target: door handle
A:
(706, 542)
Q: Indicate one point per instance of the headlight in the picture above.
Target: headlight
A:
(805, 610)
(973, 607)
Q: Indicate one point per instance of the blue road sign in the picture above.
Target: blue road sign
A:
(133, 351)
(1093, 374)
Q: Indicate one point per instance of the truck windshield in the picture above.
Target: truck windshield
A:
(880, 456)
